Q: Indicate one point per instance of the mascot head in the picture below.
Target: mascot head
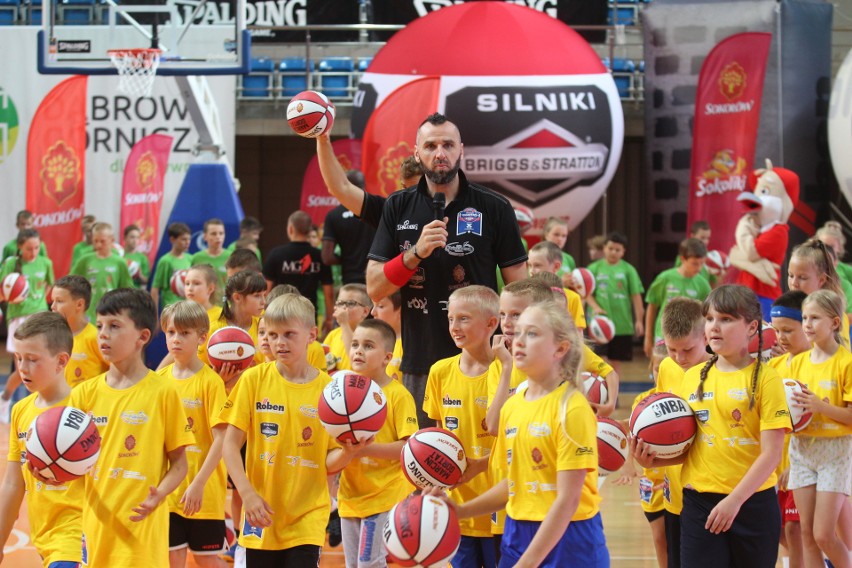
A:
(773, 196)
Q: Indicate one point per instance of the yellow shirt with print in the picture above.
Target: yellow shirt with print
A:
(202, 395)
(86, 360)
(55, 512)
(220, 322)
(393, 370)
(539, 438)
(830, 381)
(371, 485)
(669, 379)
(575, 308)
(650, 499)
(782, 364)
(286, 449)
(728, 438)
(338, 359)
(139, 425)
(460, 403)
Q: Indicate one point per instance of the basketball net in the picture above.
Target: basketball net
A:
(137, 69)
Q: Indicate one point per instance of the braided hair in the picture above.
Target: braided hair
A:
(742, 303)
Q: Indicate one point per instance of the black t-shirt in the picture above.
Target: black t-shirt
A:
(371, 209)
(354, 237)
(483, 235)
(298, 264)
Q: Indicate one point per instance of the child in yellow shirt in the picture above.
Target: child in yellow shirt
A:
(71, 297)
(353, 305)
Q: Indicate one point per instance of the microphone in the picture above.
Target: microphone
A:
(438, 204)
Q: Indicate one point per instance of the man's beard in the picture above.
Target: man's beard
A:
(441, 178)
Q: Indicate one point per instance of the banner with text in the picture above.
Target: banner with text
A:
(316, 200)
(727, 115)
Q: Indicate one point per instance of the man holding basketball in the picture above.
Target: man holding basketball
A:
(436, 237)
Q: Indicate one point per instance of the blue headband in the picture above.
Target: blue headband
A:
(785, 312)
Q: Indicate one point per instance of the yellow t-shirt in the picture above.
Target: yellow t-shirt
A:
(393, 369)
(831, 381)
(55, 512)
(86, 360)
(533, 446)
(575, 308)
(217, 323)
(203, 396)
(782, 365)
(650, 499)
(669, 379)
(728, 439)
(316, 356)
(286, 449)
(844, 329)
(592, 363)
(370, 485)
(338, 359)
(460, 403)
(139, 425)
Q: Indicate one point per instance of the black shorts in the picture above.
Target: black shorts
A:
(619, 349)
(673, 539)
(243, 454)
(751, 542)
(202, 536)
(303, 556)
(653, 516)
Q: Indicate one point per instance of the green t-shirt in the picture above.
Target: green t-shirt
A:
(568, 264)
(11, 249)
(217, 262)
(710, 278)
(144, 265)
(615, 285)
(166, 266)
(500, 282)
(233, 246)
(80, 250)
(39, 275)
(104, 274)
(671, 284)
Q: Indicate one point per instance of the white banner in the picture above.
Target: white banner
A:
(114, 123)
(840, 127)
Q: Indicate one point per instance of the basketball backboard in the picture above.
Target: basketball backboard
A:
(196, 37)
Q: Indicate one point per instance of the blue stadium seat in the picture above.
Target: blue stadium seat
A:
(626, 15)
(364, 63)
(622, 73)
(336, 76)
(258, 82)
(33, 13)
(9, 10)
(293, 77)
(78, 12)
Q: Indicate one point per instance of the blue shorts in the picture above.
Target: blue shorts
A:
(475, 552)
(582, 546)
(64, 564)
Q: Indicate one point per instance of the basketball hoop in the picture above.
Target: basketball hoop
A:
(137, 69)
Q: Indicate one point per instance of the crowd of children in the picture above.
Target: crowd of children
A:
(175, 441)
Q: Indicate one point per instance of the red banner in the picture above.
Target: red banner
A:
(142, 190)
(390, 132)
(56, 172)
(727, 113)
(316, 200)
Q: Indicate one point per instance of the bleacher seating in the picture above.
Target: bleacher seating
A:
(9, 12)
(294, 80)
(259, 82)
(623, 73)
(336, 77)
(33, 13)
(77, 12)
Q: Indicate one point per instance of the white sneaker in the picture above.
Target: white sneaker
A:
(5, 406)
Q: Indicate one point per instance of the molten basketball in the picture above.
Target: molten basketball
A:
(612, 446)
(665, 422)
(15, 288)
(310, 114)
(594, 387)
(717, 262)
(798, 416)
(525, 218)
(232, 345)
(433, 457)
(584, 282)
(133, 267)
(601, 329)
(352, 407)
(178, 283)
(421, 531)
(63, 443)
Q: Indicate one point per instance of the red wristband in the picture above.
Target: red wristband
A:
(396, 272)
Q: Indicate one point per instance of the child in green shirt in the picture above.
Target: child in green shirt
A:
(174, 260)
(104, 270)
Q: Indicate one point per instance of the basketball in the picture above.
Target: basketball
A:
(798, 416)
(230, 344)
(525, 218)
(665, 422)
(769, 341)
(601, 329)
(594, 387)
(133, 268)
(433, 457)
(352, 407)
(118, 249)
(717, 262)
(612, 446)
(63, 443)
(15, 288)
(584, 282)
(310, 114)
(178, 283)
(421, 531)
